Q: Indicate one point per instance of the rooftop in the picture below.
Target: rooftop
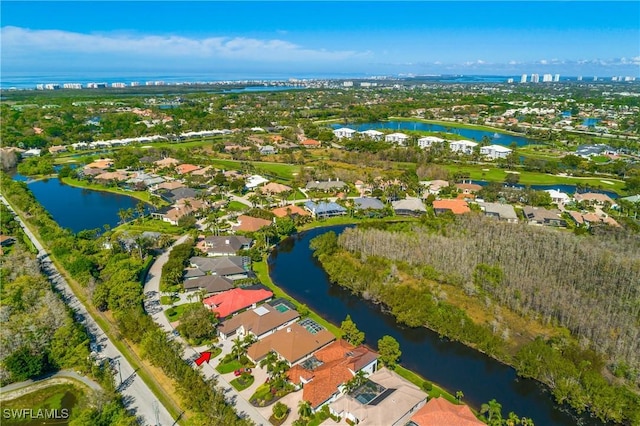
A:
(237, 299)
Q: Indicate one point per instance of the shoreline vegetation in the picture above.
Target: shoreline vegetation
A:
(262, 272)
(549, 360)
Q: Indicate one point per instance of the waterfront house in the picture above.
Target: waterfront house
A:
(468, 188)
(323, 376)
(226, 245)
(250, 224)
(294, 343)
(344, 132)
(462, 146)
(428, 141)
(210, 284)
(558, 197)
(232, 267)
(290, 210)
(495, 151)
(440, 412)
(594, 198)
(324, 209)
(235, 300)
(368, 203)
(398, 138)
(434, 186)
(372, 134)
(260, 321)
(384, 399)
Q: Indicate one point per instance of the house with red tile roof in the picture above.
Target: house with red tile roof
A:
(310, 143)
(250, 223)
(184, 169)
(322, 376)
(440, 412)
(235, 300)
(294, 343)
(290, 210)
(456, 206)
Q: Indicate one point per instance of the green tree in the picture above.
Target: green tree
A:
(197, 323)
(350, 332)
(389, 351)
(304, 409)
(280, 410)
(24, 364)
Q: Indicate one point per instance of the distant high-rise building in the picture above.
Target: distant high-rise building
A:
(135, 83)
(556, 78)
(509, 80)
(547, 78)
(595, 78)
(579, 78)
(118, 85)
(523, 79)
(72, 86)
(347, 83)
(535, 78)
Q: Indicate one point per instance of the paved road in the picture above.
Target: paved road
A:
(155, 309)
(62, 373)
(138, 398)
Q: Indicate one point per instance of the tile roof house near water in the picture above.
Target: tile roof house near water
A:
(293, 343)
(260, 322)
(235, 300)
(324, 374)
(440, 412)
(250, 223)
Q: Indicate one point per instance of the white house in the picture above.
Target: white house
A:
(463, 146)
(344, 132)
(254, 181)
(558, 197)
(399, 138)
(372, 134)
(495, 151)
(427, 141)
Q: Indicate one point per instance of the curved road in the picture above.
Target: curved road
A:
(154, 308)
(137, 397)
(62, 373)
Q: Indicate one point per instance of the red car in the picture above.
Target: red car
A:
(240, 371)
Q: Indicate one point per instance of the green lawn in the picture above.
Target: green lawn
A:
(237, 206)
(228, 367)
(149, 224)
(140, 195)
(168, 300)
(419, 381)
(174, 314)
(240, 384)
(494, 174)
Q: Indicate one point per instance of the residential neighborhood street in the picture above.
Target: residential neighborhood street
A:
(155, 309)
(138, 397)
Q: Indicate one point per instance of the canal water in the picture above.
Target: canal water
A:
(447, 363)
(78, 208)
(496, 138)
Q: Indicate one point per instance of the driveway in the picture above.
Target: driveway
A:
(154, 308)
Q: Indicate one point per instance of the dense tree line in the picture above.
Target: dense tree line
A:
(173, 270)
(114, 280)
(587, 284)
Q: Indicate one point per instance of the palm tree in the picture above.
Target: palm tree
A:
(304, 409)
(238, 349)
(459, 395)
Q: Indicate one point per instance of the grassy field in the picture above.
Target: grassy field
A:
(174, 314)
(494, 174)
(148, 224)
(140, 195)
(237, 206)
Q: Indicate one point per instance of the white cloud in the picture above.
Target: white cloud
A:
(17, 41)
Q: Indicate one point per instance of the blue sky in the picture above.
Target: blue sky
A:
(314, 38)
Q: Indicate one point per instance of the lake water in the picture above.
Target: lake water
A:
(568, 189)
(471, 134)
(449, 364)
(79, 208)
